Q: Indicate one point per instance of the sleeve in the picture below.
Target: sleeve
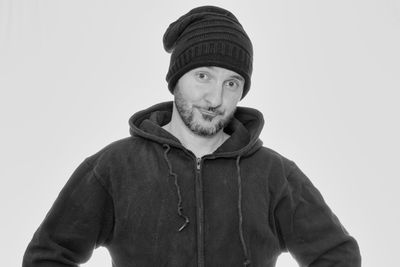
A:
(80, 220)
(309, 229)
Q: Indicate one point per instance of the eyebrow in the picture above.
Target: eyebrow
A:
(240, 78)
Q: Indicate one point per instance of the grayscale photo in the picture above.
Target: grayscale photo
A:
(200, 133)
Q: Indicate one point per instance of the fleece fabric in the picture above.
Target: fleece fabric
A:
(151, 202)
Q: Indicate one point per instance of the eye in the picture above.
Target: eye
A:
(233, 84)
(202, 76)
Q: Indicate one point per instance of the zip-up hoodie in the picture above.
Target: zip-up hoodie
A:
(151, 202)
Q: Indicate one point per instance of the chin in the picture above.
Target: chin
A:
(206, 128)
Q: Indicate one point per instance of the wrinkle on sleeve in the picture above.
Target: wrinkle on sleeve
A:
(80, 220)
(309, 229)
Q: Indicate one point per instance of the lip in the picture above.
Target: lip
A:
(208, 113)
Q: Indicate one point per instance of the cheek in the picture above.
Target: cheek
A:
(232, 100)
(193, 95)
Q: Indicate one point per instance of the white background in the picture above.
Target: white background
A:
(326, 77)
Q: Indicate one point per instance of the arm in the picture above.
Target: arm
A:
(80, 220)
(309, 229)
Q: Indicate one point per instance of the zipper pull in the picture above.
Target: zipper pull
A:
(198, 163)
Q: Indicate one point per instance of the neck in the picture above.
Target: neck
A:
(198, 144)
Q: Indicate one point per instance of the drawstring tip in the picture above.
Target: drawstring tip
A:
(184, 225)
(246, 263)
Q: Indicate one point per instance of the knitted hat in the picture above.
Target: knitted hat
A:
(208, 36)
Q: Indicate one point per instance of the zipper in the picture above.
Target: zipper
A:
(200, 215)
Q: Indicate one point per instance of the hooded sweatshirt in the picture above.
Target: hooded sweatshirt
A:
(151, 202)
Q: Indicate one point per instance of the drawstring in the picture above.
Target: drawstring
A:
(247, 261)
(178, 190)
(246, 255)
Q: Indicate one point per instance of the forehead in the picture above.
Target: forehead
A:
(219, 71)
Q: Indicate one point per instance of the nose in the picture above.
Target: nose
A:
(214, 95)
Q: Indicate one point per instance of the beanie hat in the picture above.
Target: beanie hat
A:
(208, 36)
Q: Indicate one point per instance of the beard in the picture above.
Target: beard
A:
(201, 124)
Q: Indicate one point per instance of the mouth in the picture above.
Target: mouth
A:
(208, 113)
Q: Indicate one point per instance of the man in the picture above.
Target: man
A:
(193, 185)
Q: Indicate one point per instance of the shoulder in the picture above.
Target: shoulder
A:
(274, 159)
(116, 152)
(111, 163)
(286, 173)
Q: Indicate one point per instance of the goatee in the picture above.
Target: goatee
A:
(186, 112)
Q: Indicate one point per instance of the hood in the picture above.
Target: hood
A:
(244, 129)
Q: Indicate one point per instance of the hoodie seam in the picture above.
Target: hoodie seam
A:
(110, 235)
(284, 186)
(278, 199)
(98, 179)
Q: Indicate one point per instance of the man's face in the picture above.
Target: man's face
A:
(206, 98)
